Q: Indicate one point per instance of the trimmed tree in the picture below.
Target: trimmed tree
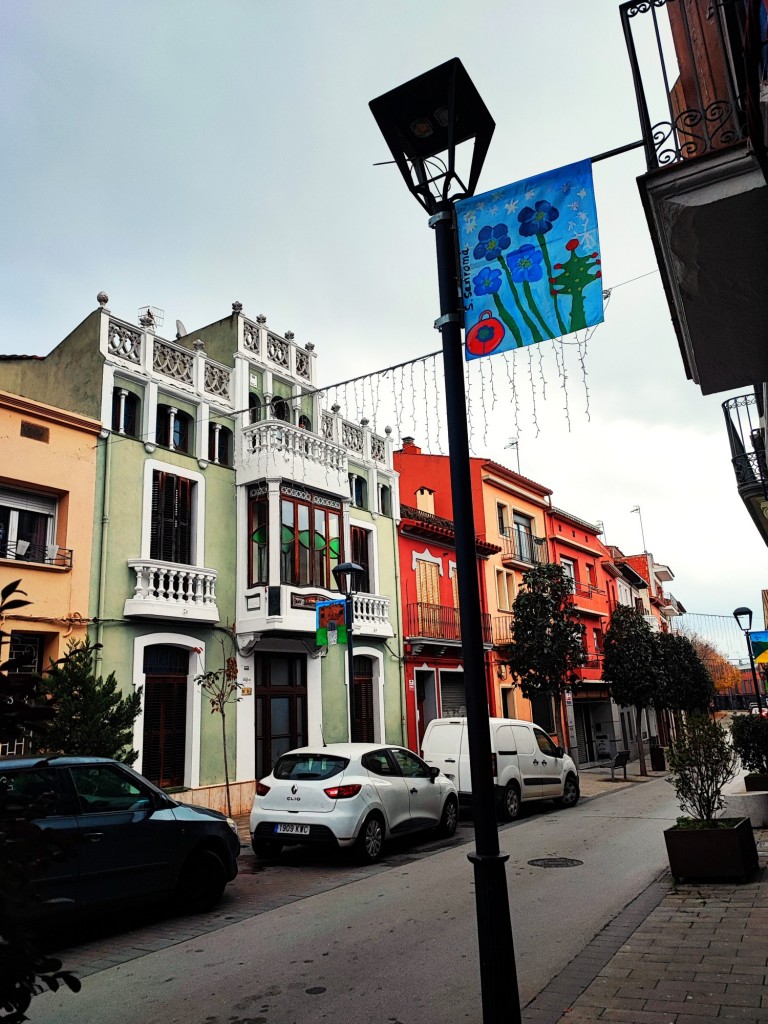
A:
(685, 683)
(547, 636)
(92, 717)
(631, 666)
(222, 688)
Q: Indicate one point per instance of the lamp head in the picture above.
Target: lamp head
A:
(425, 120)
(744, 618)
(348, 576)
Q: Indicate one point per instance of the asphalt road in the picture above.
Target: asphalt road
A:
(396, 946)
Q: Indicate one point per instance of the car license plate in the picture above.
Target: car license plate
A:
(292, 830)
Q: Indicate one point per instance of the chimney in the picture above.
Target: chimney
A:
(409, 448)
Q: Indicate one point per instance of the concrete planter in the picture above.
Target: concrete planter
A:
(755, 783)
(712, 853)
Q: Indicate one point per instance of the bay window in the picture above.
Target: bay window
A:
(310, 538)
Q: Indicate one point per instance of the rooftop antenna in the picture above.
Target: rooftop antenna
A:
(181, 330)
(642, 534)
(514, 442)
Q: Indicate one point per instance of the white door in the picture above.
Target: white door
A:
(529, 762)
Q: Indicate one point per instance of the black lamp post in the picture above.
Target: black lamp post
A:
(744, 618)
(423, 122)
(348, 576)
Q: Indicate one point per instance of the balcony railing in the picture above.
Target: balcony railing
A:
(40, 554)
(166, 590)
(686, 61)
(276, 436)
(371, 612)
(440, 622)
(746, 438)
(502, 630)
(521, 546)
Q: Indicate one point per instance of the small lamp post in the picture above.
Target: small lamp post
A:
(423, 123)
(348, 576)
(743, 617)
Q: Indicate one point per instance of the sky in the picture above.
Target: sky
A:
(190, 153)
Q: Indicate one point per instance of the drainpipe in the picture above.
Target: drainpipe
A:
(103, 549)
(401, 659)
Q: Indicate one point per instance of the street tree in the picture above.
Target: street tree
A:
(92, 717)
(725, 676)
(685, 682)
(547, 636)
(631, 666)
(25, 970)
(222, 689)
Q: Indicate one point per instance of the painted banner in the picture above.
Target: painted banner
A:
(759, 642)
(530, 261)
(331, 623)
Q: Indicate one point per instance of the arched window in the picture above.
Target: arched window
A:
(254, 407)
(305, 422)
(219, 444)
(174, 429)
(281, 410)
(125, 412)
(385, 499)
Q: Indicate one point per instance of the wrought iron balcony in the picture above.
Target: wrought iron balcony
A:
(169, 591)
(745, 424)
(439, 622)
(39, 554)
(502, 630)
(687, 67)
(522, 546)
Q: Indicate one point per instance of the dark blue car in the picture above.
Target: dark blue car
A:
(117, 838)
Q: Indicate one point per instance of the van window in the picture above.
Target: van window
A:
(505, 740)
(444, 738)
(546, 746)
(524, 737)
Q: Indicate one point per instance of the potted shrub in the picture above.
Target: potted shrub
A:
(750, 741)
(701, 845)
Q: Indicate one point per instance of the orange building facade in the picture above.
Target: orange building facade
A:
(47, 488)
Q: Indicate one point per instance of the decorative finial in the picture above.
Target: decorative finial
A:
(335, 407)
(309, 347)
(289, 335)
(237, 307)
(261, 319)
(102, 298)
(364, 422)
(387, 431)
(199, 344)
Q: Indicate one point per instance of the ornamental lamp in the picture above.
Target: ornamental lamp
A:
(348, 576)
(424, 121)
(744, 618)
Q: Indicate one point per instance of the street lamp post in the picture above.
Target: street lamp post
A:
(423, 122)
(743, 617)
(348, 576)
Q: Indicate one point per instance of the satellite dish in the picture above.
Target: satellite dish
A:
(181, 330)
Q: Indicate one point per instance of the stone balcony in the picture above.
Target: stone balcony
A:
(371, 613)
(274, 448)
(165, 590)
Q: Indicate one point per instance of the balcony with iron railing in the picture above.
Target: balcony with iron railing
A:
(37, 554)
(744, 423)
(523, 547)
(588, 597)
(439, 622)
(698, 75)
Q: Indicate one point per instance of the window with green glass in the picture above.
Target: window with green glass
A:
(258, 551)
(310, 541)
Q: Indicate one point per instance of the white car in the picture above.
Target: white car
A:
(350, 794)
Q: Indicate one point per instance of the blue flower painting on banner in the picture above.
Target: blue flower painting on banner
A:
(530, 261)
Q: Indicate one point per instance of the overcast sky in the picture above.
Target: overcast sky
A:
(186, 154)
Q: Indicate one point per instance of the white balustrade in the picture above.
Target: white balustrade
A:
(173, 591)
(371, 615)
(293, 442)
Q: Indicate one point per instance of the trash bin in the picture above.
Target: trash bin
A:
(658, 761)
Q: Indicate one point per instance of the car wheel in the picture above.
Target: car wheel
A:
(266, 849)
(370, 842)
(201, 882)
(510, 802)
(571, 793)
(449, 819)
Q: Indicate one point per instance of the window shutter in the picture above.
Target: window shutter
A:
(184, 521)
(156, 532)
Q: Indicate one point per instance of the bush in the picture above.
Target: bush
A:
(750, 741)
(701, 761)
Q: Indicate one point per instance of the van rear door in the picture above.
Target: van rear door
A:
(442, 746)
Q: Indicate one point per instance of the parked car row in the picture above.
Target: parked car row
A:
(114, 837)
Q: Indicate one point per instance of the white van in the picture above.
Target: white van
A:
(526, 763)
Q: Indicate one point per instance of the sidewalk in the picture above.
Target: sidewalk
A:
(677, 954)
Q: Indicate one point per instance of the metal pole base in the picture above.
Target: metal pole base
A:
(498, 972)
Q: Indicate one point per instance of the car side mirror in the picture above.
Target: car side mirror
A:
(434, 771)
(559, 751)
